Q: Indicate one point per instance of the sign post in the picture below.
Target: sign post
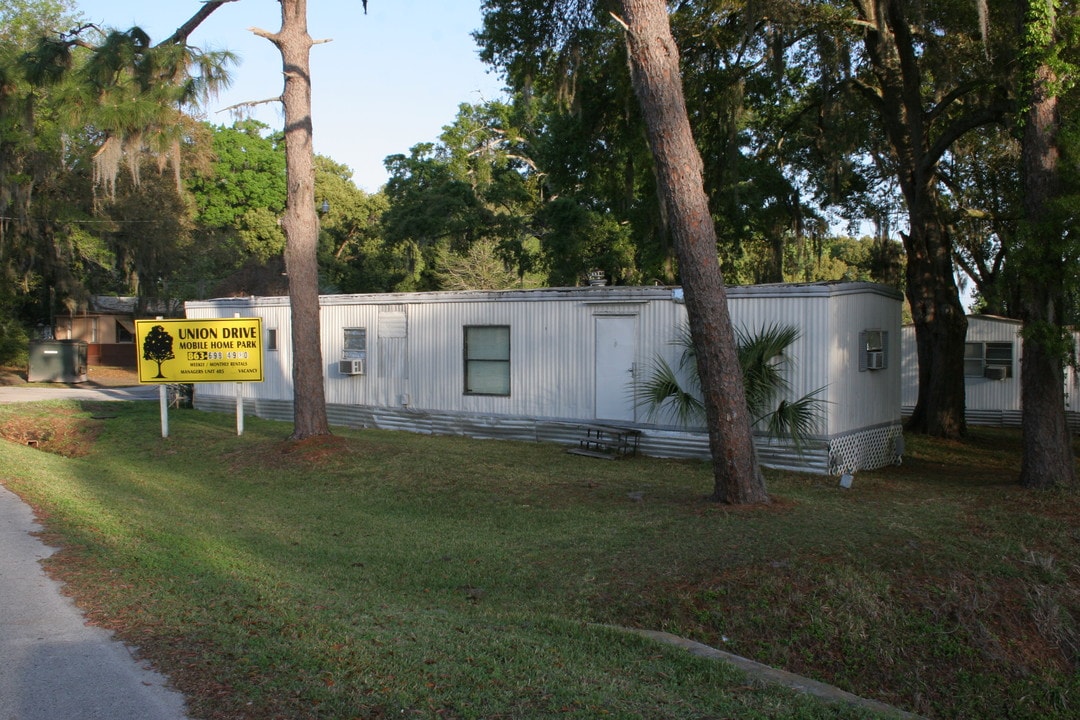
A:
(240, 399)
(181, 351)
(163, 402)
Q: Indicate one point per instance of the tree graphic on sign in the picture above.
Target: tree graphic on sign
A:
(157, 347)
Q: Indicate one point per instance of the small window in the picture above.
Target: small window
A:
(123, 335)
(271, 338)
(989, 359)
(873, 350)
(355, 344)
(487, 360)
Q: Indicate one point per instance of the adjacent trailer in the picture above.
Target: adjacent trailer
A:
(554, 365)
(993, 354)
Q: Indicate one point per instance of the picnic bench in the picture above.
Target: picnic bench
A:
(607, 441)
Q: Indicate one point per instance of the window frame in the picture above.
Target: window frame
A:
(477, 362)
(873, 340)
(123, 335)
(349, 337)
(985, 360)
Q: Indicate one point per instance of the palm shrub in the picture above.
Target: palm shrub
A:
(676, 393)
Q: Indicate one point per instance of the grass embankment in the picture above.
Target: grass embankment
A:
(380, 573)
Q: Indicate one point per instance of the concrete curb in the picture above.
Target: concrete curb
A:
(773, 676)
(38, 394)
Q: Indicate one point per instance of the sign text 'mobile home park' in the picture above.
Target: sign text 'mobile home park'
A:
(192, 351)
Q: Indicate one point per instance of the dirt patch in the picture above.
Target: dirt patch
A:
(11, 376)
(111, 376)
(96, 376)
(68, 432)
(316, 449)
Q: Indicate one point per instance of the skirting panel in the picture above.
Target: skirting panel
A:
(866, 449)
(816, 456)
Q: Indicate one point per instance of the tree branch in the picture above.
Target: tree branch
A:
(271, 36)
(992, 113)
(953, 95)
(251, 103)
(181, 35)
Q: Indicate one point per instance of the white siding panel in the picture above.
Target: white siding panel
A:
(984, 394)
(415, 357)
(909, 370)
(805, 362)
(549, 356)
(988, 402)
(826, 355)
(864, 398)
(985, 399)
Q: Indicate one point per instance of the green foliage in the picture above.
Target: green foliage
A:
(23, 22)
(475, 185)
(259, 234)
(246, 172)
(846, 258)
(479, 268)
(14, 340)
(763, 359)
(1042, 47)
(78, 105)
(576, 239)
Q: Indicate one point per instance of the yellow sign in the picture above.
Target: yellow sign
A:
(191, 351)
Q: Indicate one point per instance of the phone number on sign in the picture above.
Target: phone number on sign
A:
(217, 355)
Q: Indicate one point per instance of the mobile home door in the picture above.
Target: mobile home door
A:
(616, 347)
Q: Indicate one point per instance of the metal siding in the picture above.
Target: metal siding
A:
(865, 398)
(909, 367)
(806, 362)
(1072, 379)
(654, 442)
(351, 389)
(659, 325)
(546, 357)
(392, 354)
(829, 318)
(998, 395)
(552, 356)
(984, 399)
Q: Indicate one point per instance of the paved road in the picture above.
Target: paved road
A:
(34, 393)
(53, 666)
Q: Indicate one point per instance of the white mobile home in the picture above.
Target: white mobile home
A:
(546, 365)
(993, 352)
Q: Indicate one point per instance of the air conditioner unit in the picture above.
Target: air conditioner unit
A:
(875, 360)
(351, 367)
(994, 372)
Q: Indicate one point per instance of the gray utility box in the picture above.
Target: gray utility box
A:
(57, 361)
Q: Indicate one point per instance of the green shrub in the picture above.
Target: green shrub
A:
(14, 342)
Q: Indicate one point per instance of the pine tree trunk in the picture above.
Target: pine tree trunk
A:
(1048, 458)
(301, 224)
(654, 62)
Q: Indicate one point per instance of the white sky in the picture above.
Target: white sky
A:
(389, 80)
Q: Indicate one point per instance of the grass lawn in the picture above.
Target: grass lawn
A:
(378, 574)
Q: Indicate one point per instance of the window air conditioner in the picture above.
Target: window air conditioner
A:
(994, 372)
(875, 360)
(351, 367)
